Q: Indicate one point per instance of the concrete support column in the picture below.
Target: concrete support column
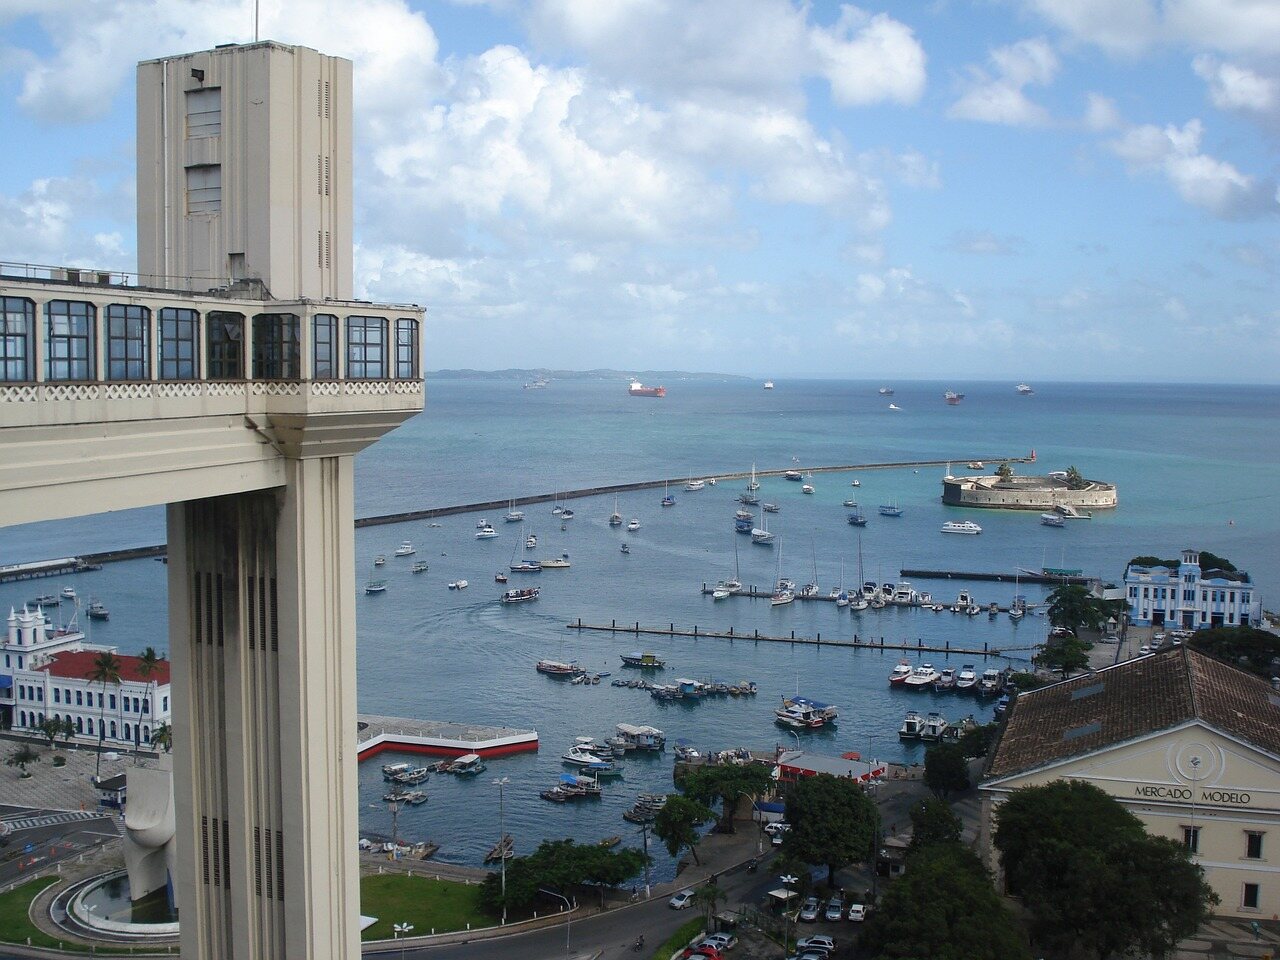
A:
(262, 637)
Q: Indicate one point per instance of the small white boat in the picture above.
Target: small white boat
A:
(934, 727)
(1053, 520)
(961, 526)
(531, 542)
(633, 525)
(405, 549)
(695, 485)
(721, 593)
(855, 482)
(894, 406)
(806, 488)
(898, 676)
(1025, 389)
(966, 679)
(903, 595)
(781, 596)
(419, 566)
(911, 727)
(922, 677)
(556, 563)
(486, 533)
(68, 593)
(458, 585)
(375, 586)
(379, 560)
(768, 384)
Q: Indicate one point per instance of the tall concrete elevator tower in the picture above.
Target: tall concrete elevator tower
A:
(234, 379)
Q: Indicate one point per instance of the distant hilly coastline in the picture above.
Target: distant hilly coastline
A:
(648, 376)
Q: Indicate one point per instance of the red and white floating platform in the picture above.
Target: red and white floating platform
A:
(438, 738)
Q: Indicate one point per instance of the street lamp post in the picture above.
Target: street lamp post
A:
(402, 930)
(502, 836)
(568, 910)
(787, 880)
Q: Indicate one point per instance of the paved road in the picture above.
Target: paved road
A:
(43, 837)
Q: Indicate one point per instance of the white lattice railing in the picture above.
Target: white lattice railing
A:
(218, 389)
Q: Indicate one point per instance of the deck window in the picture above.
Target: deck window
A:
(406, 349)
(17, 321)
(225, 336)
(178, 332)
(128, 342)
(366, 348)
(275, 346)
(324, 347)
(69, 339)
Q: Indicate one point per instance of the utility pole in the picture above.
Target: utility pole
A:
(644, 829)
(502, 840)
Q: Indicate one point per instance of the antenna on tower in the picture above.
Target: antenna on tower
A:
(255, 21)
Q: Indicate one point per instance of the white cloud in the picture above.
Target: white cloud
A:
(869, 59)
(1131, 26)
(1211, 184)
(1101, 113)
(996, 95)
(1233, 87)
(44, 224)
(1126, 27)
(986, 243)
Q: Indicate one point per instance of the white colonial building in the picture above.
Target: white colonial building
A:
(1189, 597)
(1187, 744)
(46, 674)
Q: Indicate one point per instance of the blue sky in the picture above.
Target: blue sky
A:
(997, 189)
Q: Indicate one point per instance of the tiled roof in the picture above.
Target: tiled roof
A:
(79, 665)
(1131, 699)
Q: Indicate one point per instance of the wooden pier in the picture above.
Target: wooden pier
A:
(852, 643)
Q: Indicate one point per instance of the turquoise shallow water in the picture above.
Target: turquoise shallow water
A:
(1195, 465)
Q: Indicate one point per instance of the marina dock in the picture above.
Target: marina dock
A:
(440, 738)
(853, 643)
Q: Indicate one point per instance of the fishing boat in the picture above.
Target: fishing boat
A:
(961, 526)
(912, 725)
(633, 525)
(375, 586)
(966, 679)
(644, 738)
(412, 797)
(805, 714)
(694, 485)
(742, 526)
(519, 595)
(922, 677)
(615, 518)
(486, 533)
(499, 577)
(467, 765)
(45, 600)
(643, 661)
(405, 549)
(379, 560)
(409, 776)
(608, 842)
(557, 668)
(856, 517)
(419, 566)
(992, 683)
(504, 849)
(750, 499)
(1053, 520)
(98, 611)
(890, 509)
(898, 676)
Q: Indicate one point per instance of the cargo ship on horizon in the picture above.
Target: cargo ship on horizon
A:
(638, 389)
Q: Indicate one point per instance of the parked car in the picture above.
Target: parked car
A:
(701, 951)
(810, 955)
(809, 912)
(722, 941)
(1144, 650)
(776, 826)
(835, 908)
(681, 900)
(777, 838)
(857, 912)
(820, 942)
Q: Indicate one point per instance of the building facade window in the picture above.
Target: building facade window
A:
(128, 342)
(324, 347)
(69, 339)
(1251, 896)
(178, 332)
(204, 112)
(406, 349)
(111, 701)
(225, 346)
(204, 188)
(367, 348)
(1191, 839)
(17, 326)
(1253, 844)
(275, 346)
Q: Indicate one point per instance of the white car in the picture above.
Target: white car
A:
(721, 941)
(776, 827)
(1144, 651)
(857, 912)
(681, 900)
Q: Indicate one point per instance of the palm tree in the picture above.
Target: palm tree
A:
(148, 666)
(105, 670)
(162, 736)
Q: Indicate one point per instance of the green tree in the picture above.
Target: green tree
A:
(1246, 647)
(560, 865)
(1092, 879)
(1065, 654)
(724, 784)
(148, 666)
(50, 728)
(978, 741)
(676, 824)
(162, 736)
(1004, 471)
(105, 670)
(68, 731)
(23, 757)
(1072, 606)
(933, 821)
(1211, 561)
(945, 908)
(607, 869)
(708, 897)
(946, 769)
(833, 822)
(1023, 681)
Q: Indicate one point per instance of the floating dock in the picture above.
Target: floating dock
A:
(855, 642)
(439, 738)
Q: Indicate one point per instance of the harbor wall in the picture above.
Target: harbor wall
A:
(382, 744)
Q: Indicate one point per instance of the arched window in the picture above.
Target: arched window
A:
(22, 718)
(113, 730)
(146, 734)
(79, 724)
(126, 731)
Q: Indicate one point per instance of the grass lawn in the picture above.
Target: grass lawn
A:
(15, 927)
(688, 930)
(422, 901)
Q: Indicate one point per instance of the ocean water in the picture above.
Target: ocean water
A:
(1195, 467)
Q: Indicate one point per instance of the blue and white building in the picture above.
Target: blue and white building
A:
(1189, 597)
